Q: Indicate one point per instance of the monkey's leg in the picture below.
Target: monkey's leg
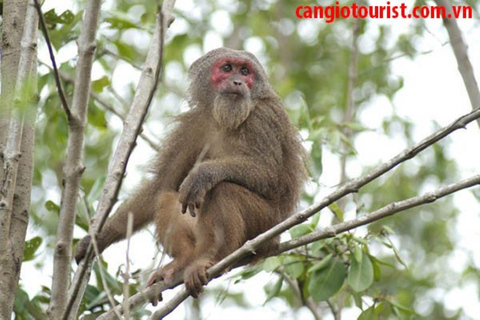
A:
(115, 229)
(224, 220)
(175, 233)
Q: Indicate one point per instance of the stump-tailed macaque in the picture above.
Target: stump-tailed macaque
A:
(234, 162)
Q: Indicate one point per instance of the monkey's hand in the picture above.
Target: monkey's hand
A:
(81, 250)
(192, 191)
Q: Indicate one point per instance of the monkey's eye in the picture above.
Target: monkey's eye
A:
(227, 68)
(245, 71)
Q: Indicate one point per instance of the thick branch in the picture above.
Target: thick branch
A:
(143, 97)
(18, 167)
(13, 19)
(74, 168)
(460, 50)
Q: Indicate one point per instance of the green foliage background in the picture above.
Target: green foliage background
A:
(307, 62)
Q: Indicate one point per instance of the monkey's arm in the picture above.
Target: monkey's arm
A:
(140, 203)
(254, 174)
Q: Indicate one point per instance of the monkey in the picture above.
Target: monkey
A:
(234, 162)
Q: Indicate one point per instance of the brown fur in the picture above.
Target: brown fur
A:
(235, 162)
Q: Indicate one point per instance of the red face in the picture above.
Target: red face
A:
(233, 76)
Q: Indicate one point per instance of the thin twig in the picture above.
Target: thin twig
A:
(300, 296)
(103, 278)
(381, 213)
(126, 274)
(61, 93)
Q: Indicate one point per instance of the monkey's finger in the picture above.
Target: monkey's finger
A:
(203, 278)
(191, 209)
(184, 207)
(198, 204)
(154, 301)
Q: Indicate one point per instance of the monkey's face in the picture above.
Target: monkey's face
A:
(233, 77)
(232, 80)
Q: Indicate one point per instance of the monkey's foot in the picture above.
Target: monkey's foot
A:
(167, 274)
(195, 277)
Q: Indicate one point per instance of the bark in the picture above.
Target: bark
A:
(460, 49)
(16, 183)
(74, 168)
(12, 27)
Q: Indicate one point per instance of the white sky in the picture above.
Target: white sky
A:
(433, 90)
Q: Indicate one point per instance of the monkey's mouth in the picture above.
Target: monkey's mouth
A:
(233, 94)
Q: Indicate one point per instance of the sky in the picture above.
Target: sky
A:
(433, 90)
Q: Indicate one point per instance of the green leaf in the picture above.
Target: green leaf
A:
(293, 266)
(300, 230)
(315, 220)
(31, 246)
(51, 17)
(397, 254)
(275, 290)
(358, 254)
(336, 211)
(96, 189)
(401, 307)
(360, 276)
(388, 229)
(360, 240)
(317, 246)
(326, 282)
(120, 21)
(377, 270)
(381, 262)
(248, 273)
(368, 314)
(52, 207)
(100, 84)
(322, 264)
(271, 264)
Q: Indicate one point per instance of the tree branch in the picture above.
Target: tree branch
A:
(61, 93)
(143, 97)
(460, 50)
(74, 168)
(297, 291)
(381, 213)
(13, 19)
(15, 184)
(350, 106)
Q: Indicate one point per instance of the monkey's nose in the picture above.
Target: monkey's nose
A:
(237, 82)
